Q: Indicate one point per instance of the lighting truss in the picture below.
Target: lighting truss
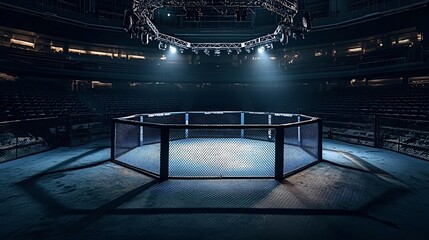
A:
(281, 7)
(139, 22)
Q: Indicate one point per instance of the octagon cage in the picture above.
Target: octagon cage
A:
(217, 144)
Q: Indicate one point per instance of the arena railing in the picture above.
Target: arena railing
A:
(21, 138)
(403, 135)
(217, 144)
(406, 136)
(83, 128)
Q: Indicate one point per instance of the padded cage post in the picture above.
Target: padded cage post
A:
(186, 123)
(299, 131)
(165, 145)
(376, 132)
(141, 132)
(279, 156)
(320, 140)
(112, 139)
(242, 124)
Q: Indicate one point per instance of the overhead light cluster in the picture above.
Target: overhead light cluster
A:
(217, 52)
(138, 23)
(262, 49)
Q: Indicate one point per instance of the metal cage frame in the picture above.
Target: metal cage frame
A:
(164, 129)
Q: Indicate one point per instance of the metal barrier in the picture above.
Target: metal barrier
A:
(408, 136)
(352, 128)
(26, 137)
(217, 144)
(83, 128)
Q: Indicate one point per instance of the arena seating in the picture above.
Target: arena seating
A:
(135, 101)
(288, 99)
(392, 101)
(37, 102)
(218, 100)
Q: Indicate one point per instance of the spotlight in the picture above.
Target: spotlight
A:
(173, 49)
(261, 49)
(217, 52)
(269, 46)
(162, 46)
(306, 21)
(207, 52)
(238, 51)
(284, 39)
(181, 50)
(144, 38)
(248, 50)
(229, 51)
(128, 20)
(195, 51)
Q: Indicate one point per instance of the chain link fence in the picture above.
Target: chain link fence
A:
(216, 144)
(138, 147)
(301, 146)
(218, 154)
(85, 128)
(26, 137)
(352, 128)
(405, 136)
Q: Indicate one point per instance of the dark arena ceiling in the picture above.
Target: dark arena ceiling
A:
(216, 22)
(343, 33)
(213, 25)
(213, 22)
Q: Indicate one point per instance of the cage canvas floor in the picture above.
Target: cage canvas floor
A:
(76, 193)
(217, 158)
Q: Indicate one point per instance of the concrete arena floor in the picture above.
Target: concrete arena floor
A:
(76, 193)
